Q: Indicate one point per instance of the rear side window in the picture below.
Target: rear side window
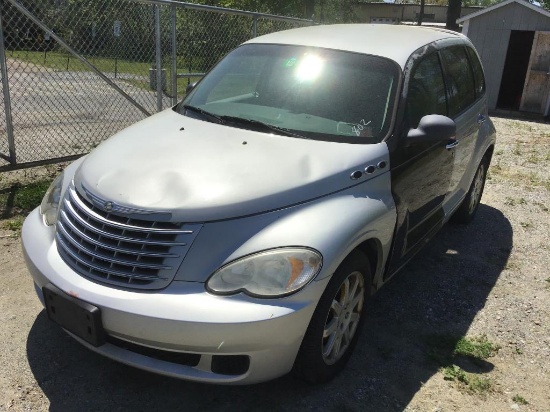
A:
(478, 72)
(426, 90)
(460, 79)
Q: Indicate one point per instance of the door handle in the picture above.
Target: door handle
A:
(452, 144)
(481, 119)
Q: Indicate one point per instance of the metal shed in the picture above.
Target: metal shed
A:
(513, 41)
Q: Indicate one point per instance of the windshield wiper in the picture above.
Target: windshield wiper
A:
(261, 125)
(203, 112)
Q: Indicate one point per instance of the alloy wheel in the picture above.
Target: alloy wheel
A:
(343, 317)
(477, 188)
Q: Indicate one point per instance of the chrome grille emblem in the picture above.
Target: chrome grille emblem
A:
(110, 206)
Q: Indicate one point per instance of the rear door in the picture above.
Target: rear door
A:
(468, 108)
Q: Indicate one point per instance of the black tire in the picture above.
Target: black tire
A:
(468, 208)
(321, 357)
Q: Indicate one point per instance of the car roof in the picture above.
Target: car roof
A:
(374, 39)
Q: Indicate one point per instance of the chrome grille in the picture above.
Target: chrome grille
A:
(117, 249)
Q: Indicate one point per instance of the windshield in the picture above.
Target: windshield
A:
(309, 92)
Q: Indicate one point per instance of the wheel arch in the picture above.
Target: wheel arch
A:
(489, 153)
(373, 250)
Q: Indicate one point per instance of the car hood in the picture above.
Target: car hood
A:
(200, 171)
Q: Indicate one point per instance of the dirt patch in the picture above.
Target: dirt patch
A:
(485, 284)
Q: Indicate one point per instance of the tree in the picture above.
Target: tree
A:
(453, 13)
(421, 13)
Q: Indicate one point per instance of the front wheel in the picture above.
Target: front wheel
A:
(468, 208)
(336, 322)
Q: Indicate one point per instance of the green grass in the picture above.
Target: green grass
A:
(526, 225)
(445, 349)
(509, 201)
(470, 381)
(13, 225)
(520, 399)
(29, 196)
(67, 62)
(478, 347)
(19, 200)
(517, 178)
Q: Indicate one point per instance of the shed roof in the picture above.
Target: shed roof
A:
(502, 4)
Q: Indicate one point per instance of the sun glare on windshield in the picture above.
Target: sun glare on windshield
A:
(309, 68)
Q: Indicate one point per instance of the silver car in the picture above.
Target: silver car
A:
(236, 236)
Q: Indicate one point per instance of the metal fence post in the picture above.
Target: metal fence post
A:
(158, 58)
(174, 74)
(71, 108)
(7, 100)
(255, 25)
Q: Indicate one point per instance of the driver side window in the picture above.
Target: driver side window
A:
(426, 90)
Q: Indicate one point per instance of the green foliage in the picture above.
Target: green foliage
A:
(520, 399)
(470, 381)
(327, 11)
(482, 3)
(28, 197)
(62, 61)
(203, 37)
(14, 225)
(20, 200)
(444, 348)
(479, 347)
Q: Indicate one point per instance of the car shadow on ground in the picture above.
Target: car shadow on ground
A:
(410, 323)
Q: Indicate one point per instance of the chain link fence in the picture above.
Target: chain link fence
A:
(75, 72)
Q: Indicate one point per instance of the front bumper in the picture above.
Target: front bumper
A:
(182, 319)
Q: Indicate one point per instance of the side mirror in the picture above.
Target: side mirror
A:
(431, 129)
(190, 87)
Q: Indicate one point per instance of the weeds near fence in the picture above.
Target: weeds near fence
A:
(19, 200)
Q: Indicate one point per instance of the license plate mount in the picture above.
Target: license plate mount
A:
(76, 316)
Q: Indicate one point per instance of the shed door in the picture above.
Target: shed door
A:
(537, 81)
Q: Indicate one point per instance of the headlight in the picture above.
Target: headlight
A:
(272, 273)
(50, 203)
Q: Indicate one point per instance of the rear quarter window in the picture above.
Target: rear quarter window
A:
(478, 72)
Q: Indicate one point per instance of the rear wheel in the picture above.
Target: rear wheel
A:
(468, 208)
(336, 322)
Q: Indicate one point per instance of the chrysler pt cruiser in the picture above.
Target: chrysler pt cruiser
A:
(236, 237)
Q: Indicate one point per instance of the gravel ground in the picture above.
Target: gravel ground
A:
(487, 281)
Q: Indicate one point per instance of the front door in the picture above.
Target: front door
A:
(537, 82)
(421, 173)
